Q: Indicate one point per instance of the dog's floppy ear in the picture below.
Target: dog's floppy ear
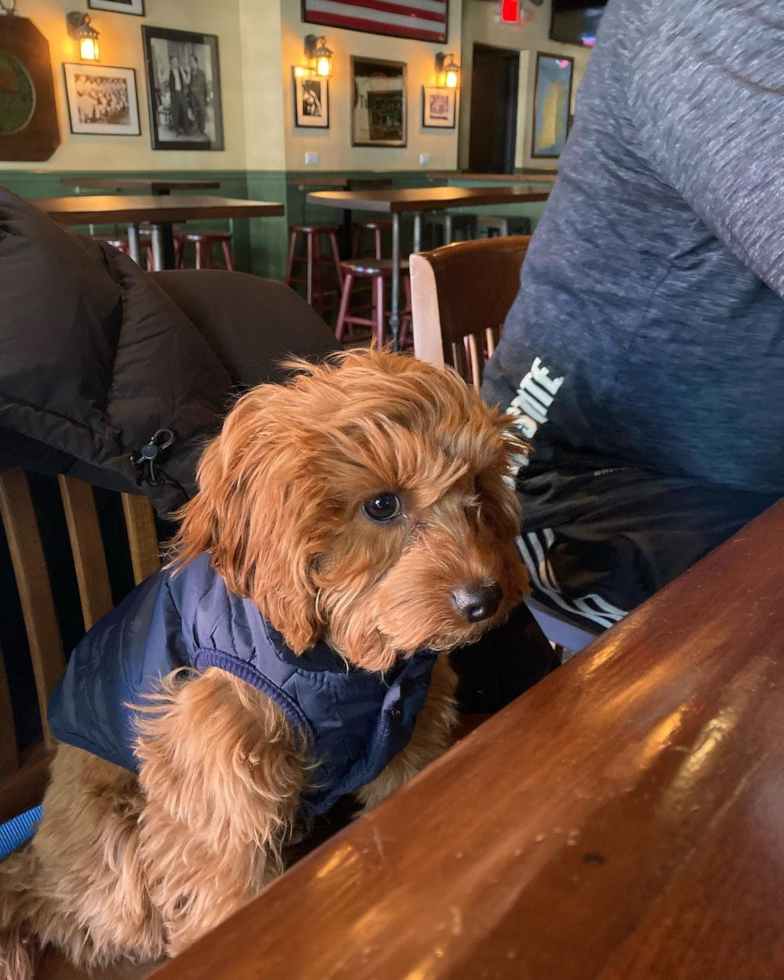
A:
(254, 515)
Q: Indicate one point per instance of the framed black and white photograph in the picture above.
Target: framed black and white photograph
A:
(102, 100)
(135, 7)
(378, 112)
(183, 88)
(311, 101)
(438, 107)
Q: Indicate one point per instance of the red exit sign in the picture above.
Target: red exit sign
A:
(510, 11)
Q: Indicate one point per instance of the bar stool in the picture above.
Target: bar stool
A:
(145, 244)
(121, 244)
(204, 242)
(316, 263)
(377, 271)
(439, 224)
(375, 229)
(495, 226)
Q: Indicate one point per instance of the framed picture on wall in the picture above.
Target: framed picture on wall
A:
(438, 107)
(552, 104)
(118, 6)
(378, 111)
(102, 100)
(183, 89)
(311, 101)
(419, 20)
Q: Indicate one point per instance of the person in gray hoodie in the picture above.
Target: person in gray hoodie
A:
(643, 356)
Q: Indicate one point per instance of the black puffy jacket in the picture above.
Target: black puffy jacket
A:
(97, 356)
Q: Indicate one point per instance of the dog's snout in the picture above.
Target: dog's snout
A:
(478, 602)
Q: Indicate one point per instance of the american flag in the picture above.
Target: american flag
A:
(424, 20)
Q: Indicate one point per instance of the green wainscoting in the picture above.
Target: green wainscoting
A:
(260, 245)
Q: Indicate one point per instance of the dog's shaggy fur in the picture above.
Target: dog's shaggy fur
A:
(140, 867)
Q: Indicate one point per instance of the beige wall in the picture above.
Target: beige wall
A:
(121, 45)
(482, 25)
(334, 144)
(262, 96)
(260, 41)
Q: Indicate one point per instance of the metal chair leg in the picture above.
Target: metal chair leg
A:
(380, 312)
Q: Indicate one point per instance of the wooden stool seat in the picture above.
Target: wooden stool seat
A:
(318, 287)
(119, 243)
(207, 236)
(314, 229)
(370, 266)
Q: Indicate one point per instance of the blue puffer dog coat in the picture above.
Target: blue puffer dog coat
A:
(353, 722)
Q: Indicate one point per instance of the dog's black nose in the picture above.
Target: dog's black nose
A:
(478, 602)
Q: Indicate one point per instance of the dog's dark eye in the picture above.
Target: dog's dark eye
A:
(384, 507)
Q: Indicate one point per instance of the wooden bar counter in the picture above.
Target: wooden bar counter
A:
(623, 820)
(467, 176)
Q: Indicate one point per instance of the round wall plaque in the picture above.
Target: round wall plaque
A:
(28, 114)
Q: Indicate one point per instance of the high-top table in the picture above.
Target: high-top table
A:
(160, 211)
(622, 820)
(416, 200)
(305, 181)
(341, 183)
(143, 185)
(543, 177)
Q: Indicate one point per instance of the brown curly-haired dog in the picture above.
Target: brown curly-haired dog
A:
(362, 504)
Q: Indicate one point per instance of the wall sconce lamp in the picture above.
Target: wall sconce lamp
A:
(80, 29)
(448, 70)
(316, 49)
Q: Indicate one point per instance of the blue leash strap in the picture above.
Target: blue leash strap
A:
(18, 831)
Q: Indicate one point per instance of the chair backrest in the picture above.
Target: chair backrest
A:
(460, 295)
(34, 586)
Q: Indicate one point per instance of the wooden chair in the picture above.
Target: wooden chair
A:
(23, 779)
(460, 296)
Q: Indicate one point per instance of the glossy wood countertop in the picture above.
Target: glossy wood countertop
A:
(623, 820)
(78, 210)
(399, 200)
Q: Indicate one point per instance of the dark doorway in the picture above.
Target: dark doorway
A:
(491, 148)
